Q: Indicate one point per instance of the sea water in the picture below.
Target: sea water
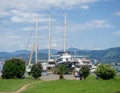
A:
(0, 67)
(1, 64)
(117, 68)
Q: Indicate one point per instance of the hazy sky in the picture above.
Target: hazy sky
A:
(91, 24)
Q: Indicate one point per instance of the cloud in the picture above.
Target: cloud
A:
(41, 28)
(25, 10)
(99, 24)
(17, 16)
(116, 13)
(28, 29)
(11, 42)
(85, 7)
(117, 33)
(3, 13)
(29, 17)
(94, 24)
(37, 5)
(12, 37)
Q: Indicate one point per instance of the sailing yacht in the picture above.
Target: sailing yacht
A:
(67, 59)
(29, 66)
(64, 57)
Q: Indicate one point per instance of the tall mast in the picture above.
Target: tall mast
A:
(49, 38)
(65, 33)
(36, 56)
(30, 59)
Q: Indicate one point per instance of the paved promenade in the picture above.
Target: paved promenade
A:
(50, 77)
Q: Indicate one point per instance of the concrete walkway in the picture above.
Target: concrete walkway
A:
(50, 77)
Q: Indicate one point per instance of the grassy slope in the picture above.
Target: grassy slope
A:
(91, 85)
(12, 84)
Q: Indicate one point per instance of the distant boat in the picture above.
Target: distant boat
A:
(29, 66)
(2, 61)
(64, 57)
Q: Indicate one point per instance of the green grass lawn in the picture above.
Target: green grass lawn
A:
(10, 85)
(91, 85)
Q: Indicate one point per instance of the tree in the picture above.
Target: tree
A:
(84, 71)
(36, 70)
(105, 72)
(61, 68)
(13, 68)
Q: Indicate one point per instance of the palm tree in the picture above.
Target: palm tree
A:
(61, 70)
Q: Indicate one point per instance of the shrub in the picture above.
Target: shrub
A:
(105, 72)
(13, 68)
(84, 71)
(36, 70)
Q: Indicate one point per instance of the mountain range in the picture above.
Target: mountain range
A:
(106, 56)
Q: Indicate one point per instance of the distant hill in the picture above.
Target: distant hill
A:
(107, 56)
(73, 49)
(42, 54)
